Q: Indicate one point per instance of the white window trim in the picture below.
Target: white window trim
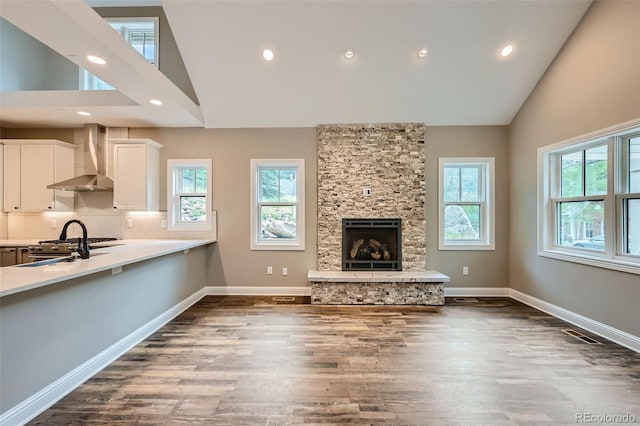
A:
(297, 244)
(172, 202)
(488, 213)
(546, 217)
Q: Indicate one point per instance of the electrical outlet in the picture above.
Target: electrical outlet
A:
(129, 223)
(163, 224)
(54, 224)
(269, 270)
(465, 270)
(285, 271)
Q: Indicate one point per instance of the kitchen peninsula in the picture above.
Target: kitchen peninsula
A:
(25, 277)
(62, 323)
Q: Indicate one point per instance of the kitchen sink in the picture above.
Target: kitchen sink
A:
(53, 261)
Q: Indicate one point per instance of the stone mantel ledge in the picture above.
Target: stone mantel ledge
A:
(378, 276)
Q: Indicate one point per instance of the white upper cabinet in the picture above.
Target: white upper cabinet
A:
(31, 165)
(136, 174)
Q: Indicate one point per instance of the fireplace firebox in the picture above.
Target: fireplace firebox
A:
(372, 244)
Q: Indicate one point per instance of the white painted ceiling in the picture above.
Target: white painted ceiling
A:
(463, 80)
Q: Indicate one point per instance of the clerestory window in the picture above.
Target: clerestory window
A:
(141, 34)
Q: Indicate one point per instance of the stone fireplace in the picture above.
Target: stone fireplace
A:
(369, 175)
(371, 171)
(371, 244)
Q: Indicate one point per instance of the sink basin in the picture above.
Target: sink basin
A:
(47, 262)
(54, 261)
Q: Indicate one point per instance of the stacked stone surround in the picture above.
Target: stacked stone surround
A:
(377, 293)
(389, 159)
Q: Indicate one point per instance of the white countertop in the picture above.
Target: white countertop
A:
(378, 276)
(15, 279)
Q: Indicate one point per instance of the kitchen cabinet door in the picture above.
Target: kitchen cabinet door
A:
(36, 173)
(12, 167)
(31, 165)
(136, 173)
(63, 169)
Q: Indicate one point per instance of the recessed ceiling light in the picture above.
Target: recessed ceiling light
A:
(96, 60)
(156, 102)
(84, 113)
(507, 50)
(267, 54)
(422, 53)
(349, 54)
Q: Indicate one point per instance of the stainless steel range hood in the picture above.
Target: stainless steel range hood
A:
(95, 160)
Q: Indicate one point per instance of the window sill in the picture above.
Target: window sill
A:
(275, 247)
(598, 262)
(466, 247)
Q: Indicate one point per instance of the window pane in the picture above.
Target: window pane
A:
(581, 224)
(278, 185)
(188, 182)
(572, 175)
(277, 222)
(596, 170)
(451, 184)
(269, 185)
(140, 35)
(192, 209)
(470, 183)
(288, 178)
(462, 222)
(634, 165)
(632, 243)
(201, 181)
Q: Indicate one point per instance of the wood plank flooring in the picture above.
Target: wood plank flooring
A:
(249, 361)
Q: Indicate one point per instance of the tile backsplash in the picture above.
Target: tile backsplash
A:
(99, 222)
(3, 225)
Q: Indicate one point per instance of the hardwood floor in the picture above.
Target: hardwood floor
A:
(245, 361)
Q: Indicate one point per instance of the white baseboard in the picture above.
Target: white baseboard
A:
(257, 291)
(306, 291)
(45, 398)
(617, 336)
(476, 291)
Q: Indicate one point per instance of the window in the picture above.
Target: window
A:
(277, 198)
(466, 204)
(589, 198)
(141, 34)
(189, 195)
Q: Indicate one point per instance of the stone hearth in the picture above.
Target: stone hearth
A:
(377, 288)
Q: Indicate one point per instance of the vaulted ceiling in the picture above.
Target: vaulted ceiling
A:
(463, 80)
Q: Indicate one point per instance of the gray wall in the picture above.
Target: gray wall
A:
(233, 263)
(593, 83)
(27, 64)
(171, 64)
(487, 268)
(47, 332)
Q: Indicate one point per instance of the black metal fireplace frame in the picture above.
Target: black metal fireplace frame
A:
(372, 265)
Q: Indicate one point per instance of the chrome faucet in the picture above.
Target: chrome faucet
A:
(83, 243)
